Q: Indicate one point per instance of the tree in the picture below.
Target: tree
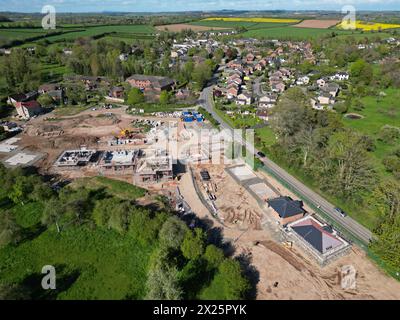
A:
(135, 96)
(163, 277)
(45, 100)
(76, 94)
(164, 97)
(53, 213)
(10, 231)
(228, 283)
(173, 232)
(214, 256)
(348, 169)
(362, 71)
(193, 244)
(386, 200)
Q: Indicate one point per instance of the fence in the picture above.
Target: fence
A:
(341, 232)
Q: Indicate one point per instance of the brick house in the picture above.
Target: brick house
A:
(286, 210)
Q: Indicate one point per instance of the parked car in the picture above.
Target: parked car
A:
(260, 154)
(341, 212)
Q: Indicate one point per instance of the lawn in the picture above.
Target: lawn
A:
(70, 110)
(266, 136)
(377, 113)
(116, 188)
(102, 263)
(91, 263)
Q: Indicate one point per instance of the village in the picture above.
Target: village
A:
(181, 155)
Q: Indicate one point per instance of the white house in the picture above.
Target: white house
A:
(340, 76)
(244, 99)
(303, 81)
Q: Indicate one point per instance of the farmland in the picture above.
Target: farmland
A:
(291, 33)
(371, 26)
(255, 20)
(70, 34)
(250, 25)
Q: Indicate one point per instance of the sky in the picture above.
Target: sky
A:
(192, 5)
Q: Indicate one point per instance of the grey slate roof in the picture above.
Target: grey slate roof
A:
(286, 206)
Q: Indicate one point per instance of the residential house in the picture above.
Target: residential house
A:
(340, 76)
(321, 82)
(286, 210)
(28, 109)
(267, 101)
(117, 92)
(244, 99)
(21, 97)
(263, 114)
(326, 98)
(151, 85)
(232, 92)
(331, 88)
(304, 80)
(250, 57)
(278, 87)
(182, 94)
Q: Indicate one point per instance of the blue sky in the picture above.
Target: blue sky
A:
(192, 5)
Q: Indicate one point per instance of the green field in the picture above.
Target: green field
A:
(290, 33)
(72, 33)
(377, 113)
(97, 31)
(93, 263)
(235, 24)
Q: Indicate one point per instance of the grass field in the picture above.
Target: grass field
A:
(96, 31)
(116, 188)
(244, 19)
(91, 263)
(235, 24)
(291, 33)
(378, 113)
(69, 33)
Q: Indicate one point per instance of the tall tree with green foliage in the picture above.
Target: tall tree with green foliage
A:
(135, 96)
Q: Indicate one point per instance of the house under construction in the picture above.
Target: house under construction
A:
(75, 158)
(155, 167)
(120, 161)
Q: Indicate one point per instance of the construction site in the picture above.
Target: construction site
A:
(301, 259)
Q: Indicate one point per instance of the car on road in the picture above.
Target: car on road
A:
(260, 154)
(341, 212)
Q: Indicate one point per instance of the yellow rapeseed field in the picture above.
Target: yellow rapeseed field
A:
(273, 20)
(372, 26)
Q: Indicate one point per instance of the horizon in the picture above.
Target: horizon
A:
(179, 6)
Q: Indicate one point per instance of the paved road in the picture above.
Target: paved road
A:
(347, 223)
(257, 87)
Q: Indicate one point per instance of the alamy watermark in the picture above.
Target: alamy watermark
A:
(49, 20)
(349, 20)
(49, 280)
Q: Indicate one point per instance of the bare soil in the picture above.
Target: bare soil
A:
(285, 273)
(318, 24)
(181, 26)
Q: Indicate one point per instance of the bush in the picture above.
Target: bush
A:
(389, 134)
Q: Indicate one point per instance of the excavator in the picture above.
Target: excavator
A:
(126, 134)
